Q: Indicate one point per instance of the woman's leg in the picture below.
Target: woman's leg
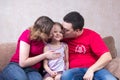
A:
(14, 72)
(74, 74)
(33, 74)
(103, 74)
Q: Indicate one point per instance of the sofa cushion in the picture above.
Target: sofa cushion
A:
(114, 67)
(6, 52)
(109, 40)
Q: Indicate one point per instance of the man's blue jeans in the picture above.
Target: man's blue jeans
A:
(78, 73)
(14, 72)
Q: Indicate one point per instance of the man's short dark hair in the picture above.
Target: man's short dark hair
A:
(75, 19)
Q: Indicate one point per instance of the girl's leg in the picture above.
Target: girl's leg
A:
(14, 72)
(48, 77)
(57, 77)
(103, 74)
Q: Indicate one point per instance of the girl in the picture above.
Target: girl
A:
(54, 68)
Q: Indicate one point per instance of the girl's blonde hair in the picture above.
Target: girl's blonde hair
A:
(41, 28)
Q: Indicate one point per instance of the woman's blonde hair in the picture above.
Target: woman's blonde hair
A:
(41, 28)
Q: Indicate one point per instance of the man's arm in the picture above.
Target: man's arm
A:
(100, 63)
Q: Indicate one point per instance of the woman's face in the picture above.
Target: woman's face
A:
(56, 33)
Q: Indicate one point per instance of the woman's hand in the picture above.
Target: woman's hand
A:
(52, 54)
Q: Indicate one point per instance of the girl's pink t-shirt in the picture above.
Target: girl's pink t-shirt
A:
(36, 48)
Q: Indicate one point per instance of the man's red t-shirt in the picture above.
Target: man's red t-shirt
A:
(85, 49)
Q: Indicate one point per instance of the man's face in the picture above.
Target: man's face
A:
(69, 31)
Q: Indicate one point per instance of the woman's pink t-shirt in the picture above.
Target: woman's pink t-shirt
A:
(36, 48)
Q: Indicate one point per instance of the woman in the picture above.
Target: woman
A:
(27, 59)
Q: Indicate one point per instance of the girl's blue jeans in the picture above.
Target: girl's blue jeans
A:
(14, 72)
(78, 73)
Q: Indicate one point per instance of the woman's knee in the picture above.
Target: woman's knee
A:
(14, 72)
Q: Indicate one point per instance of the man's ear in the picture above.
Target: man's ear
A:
(77, 30)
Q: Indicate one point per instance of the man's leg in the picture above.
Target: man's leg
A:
(103, 74)
(74, 74)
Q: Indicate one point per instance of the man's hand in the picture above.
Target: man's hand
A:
(89, 75)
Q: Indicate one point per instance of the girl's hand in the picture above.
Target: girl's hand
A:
(52, 55)
(53, 73)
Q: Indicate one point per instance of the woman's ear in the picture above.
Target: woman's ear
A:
(51, 35)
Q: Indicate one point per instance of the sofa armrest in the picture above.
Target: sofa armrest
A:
(114, 67)
(6, 52)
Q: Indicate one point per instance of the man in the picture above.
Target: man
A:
(88, 54)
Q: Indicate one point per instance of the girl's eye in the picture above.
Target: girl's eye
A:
(59, 32)
(55, 31)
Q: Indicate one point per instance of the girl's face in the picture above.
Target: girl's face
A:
(56, 33)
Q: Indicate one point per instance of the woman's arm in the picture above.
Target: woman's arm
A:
(25, 60)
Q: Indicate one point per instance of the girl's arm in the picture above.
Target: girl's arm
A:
(66, 58)
(45, 65)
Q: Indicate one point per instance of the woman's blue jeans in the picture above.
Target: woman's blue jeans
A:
(78, 73)
(14, 72)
